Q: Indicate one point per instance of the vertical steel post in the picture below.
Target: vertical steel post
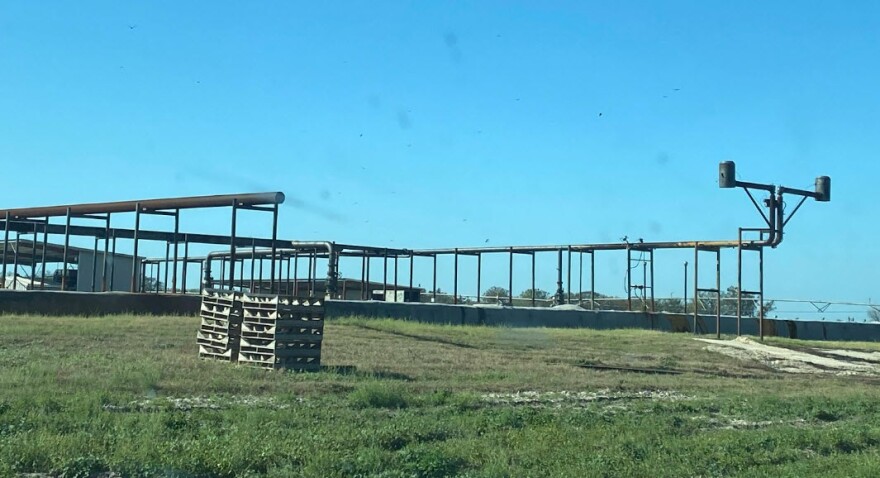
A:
(395, 277)
(368, 292)
(15, 261)
(167, 255)
(135, 267)
(274, 246)
(66, 247)
(43, 255)
(739, 282)
(253, 260)
(685, 302)
(568, 282)
(696, 285)
(5, 247)
(718, 293)
(363, 276)
(412, 260)
(580, 277)
(560, 291)
(201, 274)
(533, 278)
(185, 264)
(94, 265)
(232, 245)
(651, 258)
(761, 292)
(288, 285)
(510, 280)
(176, 243)
(104, 259)
(222, 272)
(385, 275)
(455, 278)
(314, 273)
(592, 280)
(479, 273)
(434, 283)
(34, 257)
(629, 305)
(309, 275)
(296, 271)
(112, 261)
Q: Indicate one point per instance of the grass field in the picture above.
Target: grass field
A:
(80, 397)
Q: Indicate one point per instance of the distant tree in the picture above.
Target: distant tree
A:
(151, 284)
(534, 293)
(496, 292)
(749, 304)
(873, 315)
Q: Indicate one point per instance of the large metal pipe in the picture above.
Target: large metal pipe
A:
(191, 202)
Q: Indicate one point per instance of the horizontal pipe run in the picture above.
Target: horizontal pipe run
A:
(191, 202)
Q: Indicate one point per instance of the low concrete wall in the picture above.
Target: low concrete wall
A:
(84, 303)
(39, 302)
(567, 318)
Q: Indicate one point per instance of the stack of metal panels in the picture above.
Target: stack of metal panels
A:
(220, 329)
(281, 332)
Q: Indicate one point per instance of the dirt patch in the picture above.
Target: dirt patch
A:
(196, 403)
(814, 361)
(564, 398)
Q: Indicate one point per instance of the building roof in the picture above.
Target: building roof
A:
(54, 252)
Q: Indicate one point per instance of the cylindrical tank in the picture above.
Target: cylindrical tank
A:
(823, 188)
(727, 174)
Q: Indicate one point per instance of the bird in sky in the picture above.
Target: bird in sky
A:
(600, 115)
(132, 27)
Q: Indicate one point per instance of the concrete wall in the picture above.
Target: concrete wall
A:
(561, 317)
(84, 303)
(80, 303)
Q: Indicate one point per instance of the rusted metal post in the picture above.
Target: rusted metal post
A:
(66, 247)
(135, 267)
(455, 279)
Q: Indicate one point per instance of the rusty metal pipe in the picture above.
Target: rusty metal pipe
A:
(191, 202)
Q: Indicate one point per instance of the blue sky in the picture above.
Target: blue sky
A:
(426, 124)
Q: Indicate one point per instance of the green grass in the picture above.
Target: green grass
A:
(400, 399)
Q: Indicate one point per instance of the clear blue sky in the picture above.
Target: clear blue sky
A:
(428, 124)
